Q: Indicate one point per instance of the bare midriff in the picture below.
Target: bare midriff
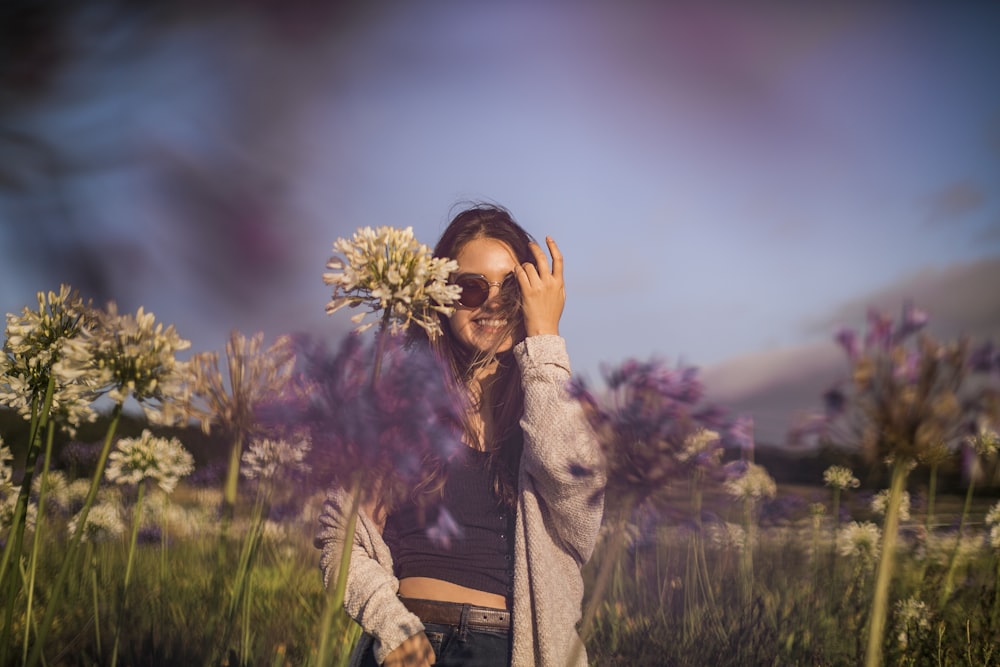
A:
(427, 588)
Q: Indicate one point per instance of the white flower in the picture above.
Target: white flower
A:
(754, 484)
(134, 356)
(881, 500)
(57, 490)
(9, 504)
(254, 374)
(993, 516)
(149, 457)
(912, 615)
(387, 270)
(995, 536)
(35, 344)
(6, 468)
(267, 459)
(986, 441)
(698, 442)
(725, 535)
(103, 521)
(860, 539)
(840, 477)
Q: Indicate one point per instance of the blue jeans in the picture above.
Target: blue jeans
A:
(455, 648)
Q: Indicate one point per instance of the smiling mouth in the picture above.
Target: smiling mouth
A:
(491, 323)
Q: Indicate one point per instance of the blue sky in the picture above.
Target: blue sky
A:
(728, 185)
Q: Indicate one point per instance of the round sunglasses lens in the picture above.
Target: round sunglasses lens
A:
(474, 292)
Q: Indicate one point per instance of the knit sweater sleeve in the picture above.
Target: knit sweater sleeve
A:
(561, 453)
(370, 597)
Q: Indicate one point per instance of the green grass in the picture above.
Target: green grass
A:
(808, 604)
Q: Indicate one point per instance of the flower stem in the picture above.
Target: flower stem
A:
(609, 559)
(949, 580)
(36, 540)
(128, 569)
(883, 577)
(69, 558)
(15, 540)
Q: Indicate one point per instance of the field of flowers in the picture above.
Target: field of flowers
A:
(130, 537)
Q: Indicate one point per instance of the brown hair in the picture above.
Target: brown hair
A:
(504, 450)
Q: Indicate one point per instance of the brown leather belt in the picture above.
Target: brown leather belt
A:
(450, 613)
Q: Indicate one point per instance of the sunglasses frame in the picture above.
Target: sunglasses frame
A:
(483, 286)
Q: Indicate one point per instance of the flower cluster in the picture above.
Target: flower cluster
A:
(6, 468)
(35, 342)
(134, 357)
(653, 429)
(388, 270)
(881, 500)
(993, 521)
(840, 477)
(393, 431)
(268, 459)
(149, 457)
(754, 484)
(860, 539)
(104, 521)
(907, 395)
(912, 616)
(255, 374)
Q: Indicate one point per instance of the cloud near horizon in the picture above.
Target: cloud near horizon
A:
(778, 386)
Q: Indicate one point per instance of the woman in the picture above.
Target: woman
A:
(527, 493)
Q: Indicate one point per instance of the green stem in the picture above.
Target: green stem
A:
(949, 580)
(15, 540)
(133, 539)
(746, 557)
(931, 493)
(883, 577)
(231, 487)
(69, 558)
(36, 540)
(609, 559)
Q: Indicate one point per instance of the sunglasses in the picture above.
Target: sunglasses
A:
(476, 288)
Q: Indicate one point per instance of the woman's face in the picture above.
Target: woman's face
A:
(481, 328)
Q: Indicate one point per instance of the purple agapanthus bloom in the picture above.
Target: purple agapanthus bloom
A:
(384, 430)
(653, 428)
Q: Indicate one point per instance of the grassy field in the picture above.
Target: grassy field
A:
(680, 593)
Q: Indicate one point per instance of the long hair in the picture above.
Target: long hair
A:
(505, 395)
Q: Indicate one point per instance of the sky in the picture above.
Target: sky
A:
(729, 183)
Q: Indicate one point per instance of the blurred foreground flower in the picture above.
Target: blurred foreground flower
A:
(652, 429)
(387, 432)
(255, 375)
(389, 271)
(268, 459)
(907, 397)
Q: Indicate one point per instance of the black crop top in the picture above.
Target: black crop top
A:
(480, 556)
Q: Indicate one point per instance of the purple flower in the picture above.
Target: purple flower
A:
(444, 529)
(848, 339)
(388, 428)
(879, 335)
(913, 320)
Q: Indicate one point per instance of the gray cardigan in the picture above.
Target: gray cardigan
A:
(560, 505)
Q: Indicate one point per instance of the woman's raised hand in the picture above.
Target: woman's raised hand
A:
(543, 292)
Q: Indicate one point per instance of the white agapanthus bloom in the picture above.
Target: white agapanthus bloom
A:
(57, 488)
(881, 500)
(36, 341)
(6, 468)
(8, 504)
(912, 616)
(104, 521)
(388, 271)
(135, 356)
(698, 442)
(860, 539)
(267, 459)
(840, 477)
(754, 484)
(149, 457)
